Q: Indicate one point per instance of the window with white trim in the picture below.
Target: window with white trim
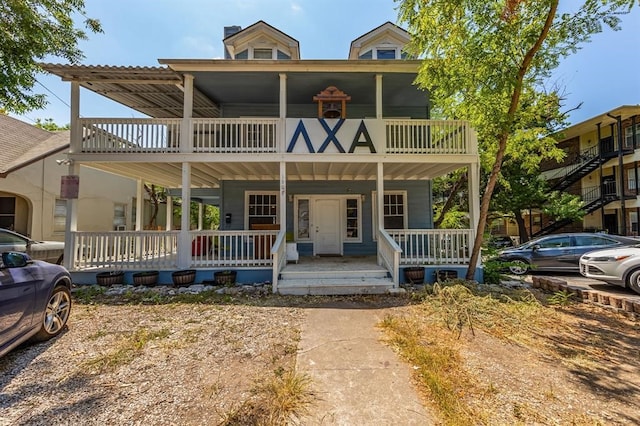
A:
(262, 53)
(353, 222)
(628, 135)
(394, 210)
(119, 217)
(631, 179)
(60, 216)
(303, 219)
(261, 208)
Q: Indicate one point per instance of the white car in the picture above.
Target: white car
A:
(619, 266)
(49, 251)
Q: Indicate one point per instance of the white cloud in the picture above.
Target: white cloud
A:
(296, 8)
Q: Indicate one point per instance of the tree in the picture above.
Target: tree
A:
(48, 124)
(31, 30)
(486, 61)
(157, 195)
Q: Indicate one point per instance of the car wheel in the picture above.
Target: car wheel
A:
(518, 267)
(56, 314)
(634, 281)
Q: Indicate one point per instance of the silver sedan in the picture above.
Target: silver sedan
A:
(619, 266)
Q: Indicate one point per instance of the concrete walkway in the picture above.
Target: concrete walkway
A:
(357, 379)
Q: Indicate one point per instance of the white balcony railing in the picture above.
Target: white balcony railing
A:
(134, 135)
(267, 135)
(433, 246)
(231, 248)
(389, 254)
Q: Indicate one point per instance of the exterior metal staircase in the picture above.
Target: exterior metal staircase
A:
(587, 161)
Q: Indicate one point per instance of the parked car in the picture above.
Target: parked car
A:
(35, 300)
(619, 266)
(559, 252)
(49, 251)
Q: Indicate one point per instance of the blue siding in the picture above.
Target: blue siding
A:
(420, 211)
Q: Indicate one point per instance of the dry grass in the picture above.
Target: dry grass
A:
(533, 337)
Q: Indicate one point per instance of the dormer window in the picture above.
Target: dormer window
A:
(384, 43)
(386, 54)
(262, 53)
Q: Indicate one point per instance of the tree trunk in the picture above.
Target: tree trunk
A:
(450, 199)
(503, 137)
(522, 229)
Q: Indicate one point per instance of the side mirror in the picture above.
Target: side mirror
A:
(14, 259)
(535, 247)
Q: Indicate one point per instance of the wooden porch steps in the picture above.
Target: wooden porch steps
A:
(369, 280)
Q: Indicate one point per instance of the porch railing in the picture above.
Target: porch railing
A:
(125, 250)
(428, 137)
(389, 253)
(279, 256)
(231, 248)
(433, 246)
(130, 135)
(261, 135)
(235, 135)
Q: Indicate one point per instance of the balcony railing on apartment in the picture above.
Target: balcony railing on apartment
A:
(266, 135)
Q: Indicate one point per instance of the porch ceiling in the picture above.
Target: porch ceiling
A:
(210, 174)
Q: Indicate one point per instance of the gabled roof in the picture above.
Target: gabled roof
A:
(23, 144)
(387, 33)
(261, 32)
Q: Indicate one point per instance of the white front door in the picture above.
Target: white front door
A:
(327, 239)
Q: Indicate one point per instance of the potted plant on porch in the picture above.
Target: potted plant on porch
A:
(183, 277)
(148, 278)
(414, 274)
(226, 277)
(109, 278)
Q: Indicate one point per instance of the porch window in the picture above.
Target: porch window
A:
(395, 210)
(353, 220)
(60, 216)
(119, 217)
(262, 208)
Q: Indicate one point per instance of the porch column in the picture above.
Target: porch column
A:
(71, 223)
(281, 145)
(283, 196)
(380, 196)
(169, 225)
(474, 199)
(184, 241)
(139, 204)
(379, 96)
(186, 134)
(75, 145)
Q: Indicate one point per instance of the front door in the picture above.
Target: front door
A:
(328, 239)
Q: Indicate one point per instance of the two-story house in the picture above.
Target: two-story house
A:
(327, 162)
(600, 166)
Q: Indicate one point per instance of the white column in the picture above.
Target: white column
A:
(379, 96)
(169, 226)
(184, 241)
(139, 205)
(75, 145)
(281, 134)
(283, 195)
(71, 223)
(186, 133)
(380, 196)
(200, 214)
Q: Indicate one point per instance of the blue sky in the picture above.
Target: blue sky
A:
(604, 74)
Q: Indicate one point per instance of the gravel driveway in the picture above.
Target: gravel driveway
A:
(188, 364)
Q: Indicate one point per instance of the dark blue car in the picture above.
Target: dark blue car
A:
(559, 252)
(35, 300)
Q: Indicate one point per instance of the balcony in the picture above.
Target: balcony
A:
(275, 136)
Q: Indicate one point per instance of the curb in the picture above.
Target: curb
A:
(616, 302)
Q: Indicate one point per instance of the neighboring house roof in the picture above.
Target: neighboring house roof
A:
(261, 33)
(604, 119)
(387, 34)
(23, 144)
